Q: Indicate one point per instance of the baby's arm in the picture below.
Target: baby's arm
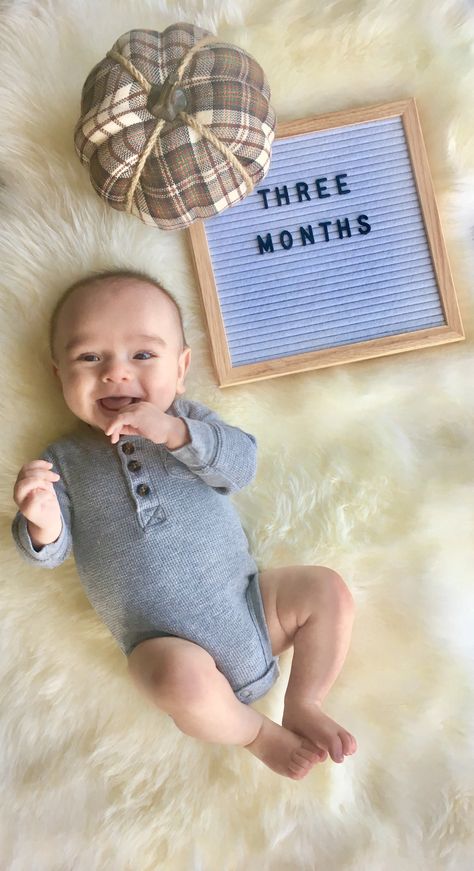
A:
(41, 528)
(224, 456)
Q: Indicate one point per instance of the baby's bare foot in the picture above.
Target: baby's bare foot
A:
(283, 751)
(308, 720)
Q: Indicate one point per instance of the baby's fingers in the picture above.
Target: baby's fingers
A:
(30, 486)
(41, 475)
(38, 468)
(40, 493)
(40, 480)
(114, 434)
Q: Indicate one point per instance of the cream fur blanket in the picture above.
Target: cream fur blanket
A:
(367, 468)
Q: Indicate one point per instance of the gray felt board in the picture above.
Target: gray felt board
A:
(368, 276)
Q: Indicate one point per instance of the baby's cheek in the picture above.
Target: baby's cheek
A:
(76, 389)
(78, 378)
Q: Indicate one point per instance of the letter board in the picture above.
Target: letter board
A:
(336, 256)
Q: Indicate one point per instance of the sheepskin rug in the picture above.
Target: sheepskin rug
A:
(367, 468)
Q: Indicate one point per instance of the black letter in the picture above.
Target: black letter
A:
(325, 225)
(284, 196)
(344, 225)
(342, 184)
(363, 224)
(266, 245)
(303, 192)
(307, 235)
(320, 188)
(290, 239)
(264, 192)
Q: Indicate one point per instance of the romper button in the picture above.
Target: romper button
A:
(143, 489)
(128, 448)
(134, 466)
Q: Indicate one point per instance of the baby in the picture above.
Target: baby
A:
(139, 490)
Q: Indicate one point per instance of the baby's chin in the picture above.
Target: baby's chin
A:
(94, 420)
(92, 424)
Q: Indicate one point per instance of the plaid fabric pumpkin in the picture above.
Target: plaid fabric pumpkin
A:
(222, 89)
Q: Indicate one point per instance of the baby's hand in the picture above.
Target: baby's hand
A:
(34, 494)
(144, 419)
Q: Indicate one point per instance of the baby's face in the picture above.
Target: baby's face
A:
(118, 339)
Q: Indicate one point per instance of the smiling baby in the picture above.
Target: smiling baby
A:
(139, 492)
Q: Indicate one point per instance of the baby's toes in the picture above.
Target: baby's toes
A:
(349, 745)
(312, 753)
(335, 748)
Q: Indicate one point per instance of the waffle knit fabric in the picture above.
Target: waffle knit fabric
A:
(159, 547)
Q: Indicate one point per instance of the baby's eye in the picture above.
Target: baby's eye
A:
(90, 357)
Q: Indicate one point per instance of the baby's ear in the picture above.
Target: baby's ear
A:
(183, 366)
(55, 368)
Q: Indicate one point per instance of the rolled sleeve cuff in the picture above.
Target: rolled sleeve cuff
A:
(48, 552)
(201, 451)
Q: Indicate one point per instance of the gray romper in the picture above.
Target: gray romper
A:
(159, 546)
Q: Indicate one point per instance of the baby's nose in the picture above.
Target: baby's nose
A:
(115, 370)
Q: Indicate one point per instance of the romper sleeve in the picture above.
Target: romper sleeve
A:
(50, 555)
(224, 456)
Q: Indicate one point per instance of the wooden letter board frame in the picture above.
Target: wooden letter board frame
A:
(451, 331)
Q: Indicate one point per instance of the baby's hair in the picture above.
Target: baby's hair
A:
(98, 278)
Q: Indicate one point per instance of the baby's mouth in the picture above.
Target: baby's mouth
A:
(112, 403)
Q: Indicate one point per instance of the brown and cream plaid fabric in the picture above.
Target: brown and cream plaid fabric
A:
(185, 176)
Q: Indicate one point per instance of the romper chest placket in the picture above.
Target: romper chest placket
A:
(149, 511)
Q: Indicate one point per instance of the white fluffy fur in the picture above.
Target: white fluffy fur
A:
(367, 468)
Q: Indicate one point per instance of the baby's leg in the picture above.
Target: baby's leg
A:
(311, 608)
(181, 678)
